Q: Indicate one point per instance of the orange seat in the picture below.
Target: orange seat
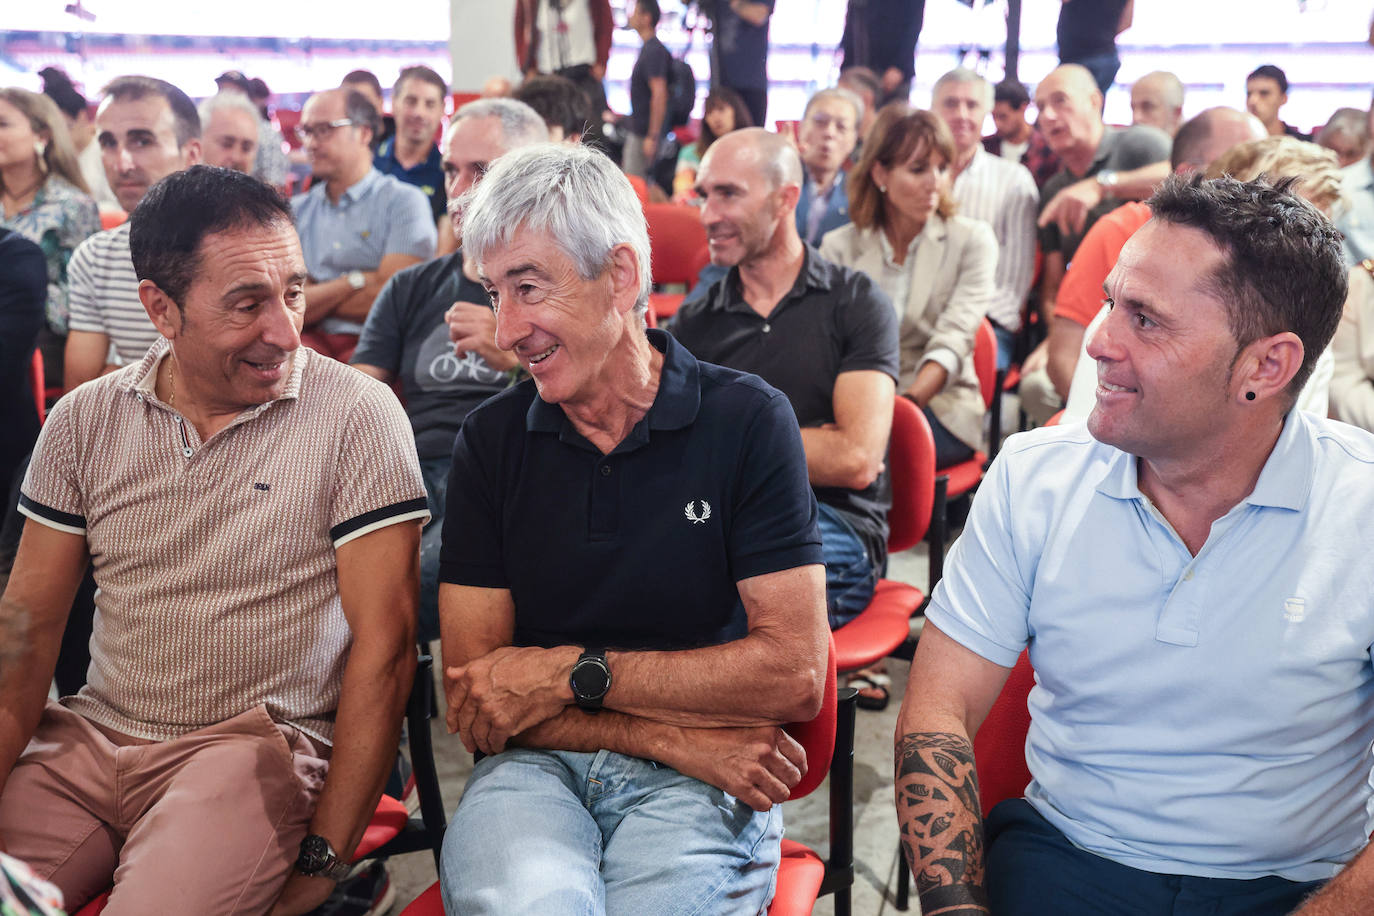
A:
(677, 243)
(36, 383)
(641, 189)
(111, 218)
(966, 475)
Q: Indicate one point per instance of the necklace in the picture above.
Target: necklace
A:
(171, 384)
(16, 197)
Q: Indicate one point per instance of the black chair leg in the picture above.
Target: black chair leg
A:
(903, 882)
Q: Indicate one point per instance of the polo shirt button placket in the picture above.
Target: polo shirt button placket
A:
(605, 470)
(767, 327)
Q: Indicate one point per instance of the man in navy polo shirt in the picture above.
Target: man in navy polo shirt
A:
(825, 335)
(630, 535)
(417, 101)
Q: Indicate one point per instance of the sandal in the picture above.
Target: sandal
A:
(871, 680)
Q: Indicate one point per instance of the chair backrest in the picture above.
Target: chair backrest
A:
(999, 748)
(111, 218)
(911, 464)
(985, 361)
(1056, 419)
(641, 189)
(36, 382)
(676, 238)
(818, 735)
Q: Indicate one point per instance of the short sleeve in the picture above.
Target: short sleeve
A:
(774, 519)
(51, 493)
(870, 329)
(982, 602)
(83, 308)
(380, 342)
(410, 223)
(472, 546)
(656, 64)
(378, 482)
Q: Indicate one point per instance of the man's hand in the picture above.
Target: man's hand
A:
(891, 79)
(757, 765)
(505, 692)
(650, 148)
(1069, 208)
(302, 894)
(472, 328)
(1035, 359)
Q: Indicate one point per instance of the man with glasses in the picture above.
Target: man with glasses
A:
(357, 226)
(829, 131)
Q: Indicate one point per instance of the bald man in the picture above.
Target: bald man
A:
(824, 335)
(1157, 101)
(1199, 142)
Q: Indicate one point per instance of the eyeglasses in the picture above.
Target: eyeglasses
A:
(320, 131)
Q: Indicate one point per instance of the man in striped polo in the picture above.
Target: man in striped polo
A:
(147, 129)
(252, 512)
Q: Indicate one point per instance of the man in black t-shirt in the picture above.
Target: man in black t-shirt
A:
(648, 121)
(824, 335)
(431, 327)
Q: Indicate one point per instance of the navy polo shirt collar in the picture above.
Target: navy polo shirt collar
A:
(675, 405)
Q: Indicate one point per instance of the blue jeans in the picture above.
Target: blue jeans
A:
(1006, 345)
(849, 572)
(558, 832)
(435, 474)
(1032, 868)
(948, 449)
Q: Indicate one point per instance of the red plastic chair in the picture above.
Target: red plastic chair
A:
(36, 383)
(999, 748)
(886, 623)
(803, 876)
(111, 218)
(641, 189)
(677, 243)
(966, 475)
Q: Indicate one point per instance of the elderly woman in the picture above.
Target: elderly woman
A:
(45, 199)
(936, 267)
(1319, 183)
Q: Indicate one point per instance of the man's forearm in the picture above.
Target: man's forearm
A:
(322, 299)
(834, 459)
(26, 669)
(941, 822)
(1348, 892)
(366, 734)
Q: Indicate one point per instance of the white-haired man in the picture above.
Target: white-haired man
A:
(432, 327)
(229, 131)
(628, 534)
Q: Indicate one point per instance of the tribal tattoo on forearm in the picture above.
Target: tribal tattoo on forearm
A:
(941, 821)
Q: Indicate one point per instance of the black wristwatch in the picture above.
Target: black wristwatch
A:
(318, 859)
(590, 679)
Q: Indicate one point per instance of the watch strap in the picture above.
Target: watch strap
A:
(591, 655)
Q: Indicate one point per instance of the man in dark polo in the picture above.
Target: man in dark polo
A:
(822, 334)
(411, 155)
(629, 535)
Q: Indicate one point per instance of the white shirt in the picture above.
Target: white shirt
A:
(1003, 195)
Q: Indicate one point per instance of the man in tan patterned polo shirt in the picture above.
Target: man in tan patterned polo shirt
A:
(252, 510)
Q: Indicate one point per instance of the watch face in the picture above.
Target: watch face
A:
(314, 854)
(590, 679)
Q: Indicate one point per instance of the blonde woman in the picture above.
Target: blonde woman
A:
(44, 198)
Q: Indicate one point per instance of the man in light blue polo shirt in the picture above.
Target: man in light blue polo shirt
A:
(357, 226)
(1189, 571)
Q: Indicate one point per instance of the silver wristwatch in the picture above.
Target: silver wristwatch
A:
(1107, 180)
(355, 279)
(318, 859)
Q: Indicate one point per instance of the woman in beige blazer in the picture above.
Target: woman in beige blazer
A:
(936, 267)
(1352, 383)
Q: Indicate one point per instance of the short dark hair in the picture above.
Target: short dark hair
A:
(1269, 71)
(558, 101)
(184, 115)
(359, 109)
(424, 75)
(167, 227)
(58, 87)
(650, 8)
(1284, 268)
(1012, 92)
(366, 77)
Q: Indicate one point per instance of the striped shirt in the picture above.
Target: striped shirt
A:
(1003, 195)
(378, 216)
(102, 295)
(216, 560)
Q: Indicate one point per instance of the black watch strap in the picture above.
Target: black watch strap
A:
(590, 679)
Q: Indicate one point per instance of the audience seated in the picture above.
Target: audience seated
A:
(1015, 138)
(1189, 574)
(828, 134)
(45, 200)
(824, 335)
(256, 590)
(1157, 101)
(937, 268)
(991, 189)
(722, 112)
(560, 102)
(357, 226)
(229, 131)
(417, 102)
(866, 84)
(1352, 380)
(269, 163)
(1356, 222)
(147, 129)
(432, 327)
(81, 126)
(566, 516)
(1266, 91)
(1197, 145)
(366, 82)
(1346, 133)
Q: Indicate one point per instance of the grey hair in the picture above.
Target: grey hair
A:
(230, 101)
(1170, 83)
(574, 194)
(521, 125)
(963, 75)
(848, 96)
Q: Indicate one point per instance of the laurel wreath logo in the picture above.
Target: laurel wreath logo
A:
(691, 513)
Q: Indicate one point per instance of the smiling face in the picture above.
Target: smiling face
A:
(231, 139)
(913, 188)
(1165, 351)
(138, 145)
(963, 108)
(561, 326)
(236, 334)
(418, 107)
(741, 206)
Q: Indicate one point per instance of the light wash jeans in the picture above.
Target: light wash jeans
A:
(558, 832)
(434, 471)
(850, 576)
